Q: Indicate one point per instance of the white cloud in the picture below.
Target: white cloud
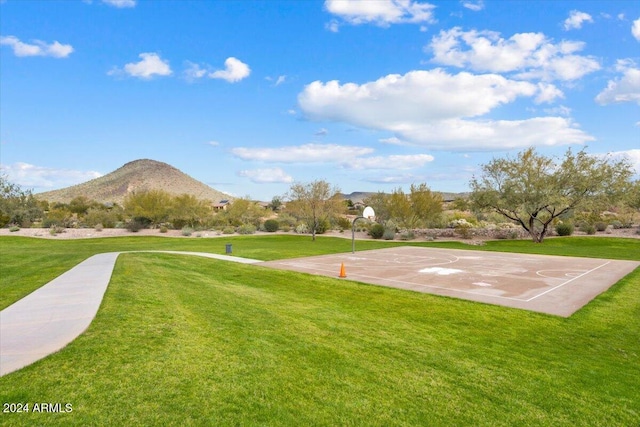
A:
(42, 178)
(396, 101)
(547, 93)
(120, 3)
(322, 132)
(267, 176)
(623, 89)
(150, 65)
(277, 81)
(307, 153)
(561, 110)
(485, 135)
(393, 141)
(235, 70)
(379, 12)
(395, 179)
(194, 71)
(400, 162)
(476, 5)
(435, 109)
(213, 143)
(333, 26)
(576, 19)
(532, 55)
(635, 29)
(38, 48)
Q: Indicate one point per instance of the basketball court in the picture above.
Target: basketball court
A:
(547, 284)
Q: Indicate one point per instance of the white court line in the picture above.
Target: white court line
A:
(401, 282)
(355, 276)
(568, 281)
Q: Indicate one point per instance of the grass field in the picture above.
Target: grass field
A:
(188, 341)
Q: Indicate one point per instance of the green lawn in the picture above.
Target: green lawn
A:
(188, 341)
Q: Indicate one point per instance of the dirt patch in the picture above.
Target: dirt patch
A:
(436, 234)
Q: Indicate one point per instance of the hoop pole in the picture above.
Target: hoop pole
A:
(353, 234)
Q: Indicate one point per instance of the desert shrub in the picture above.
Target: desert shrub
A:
(284, 219)
(134, 225)
(4, 219)
(389, 234)
(588, 228)
(601, 226)
(617, 224)
(323, 226)
(14, 228)
(391, 225)
(51, 222)
(564, 229)
(407, 235)
(56, 229)
(107, 217)
(343, 223)
(271, 225)
(506, 234)
(460, 222)
(247, 229)
(376, 231)
(143, 220)
(228, 230)
(98, 227)
(302, 229)
(186, 231)
(464, 230)
(285, 227)
(164, 229)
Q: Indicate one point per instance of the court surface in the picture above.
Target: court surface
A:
(548, 284)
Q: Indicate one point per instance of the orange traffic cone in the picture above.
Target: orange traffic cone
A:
(343, 273)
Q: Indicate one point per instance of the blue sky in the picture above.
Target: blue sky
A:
(250, 96)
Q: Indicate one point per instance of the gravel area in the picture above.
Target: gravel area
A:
(87, 233)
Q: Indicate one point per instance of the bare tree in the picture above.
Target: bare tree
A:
(314, 203)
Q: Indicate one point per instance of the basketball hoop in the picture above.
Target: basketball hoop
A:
(369, 214)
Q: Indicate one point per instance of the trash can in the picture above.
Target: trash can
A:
(228, 248)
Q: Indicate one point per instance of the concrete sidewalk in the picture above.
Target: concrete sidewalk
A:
(49, 318)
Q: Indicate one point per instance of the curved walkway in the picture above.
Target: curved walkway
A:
(49, 318)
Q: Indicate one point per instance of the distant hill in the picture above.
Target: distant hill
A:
(359, 196)
(138, 175)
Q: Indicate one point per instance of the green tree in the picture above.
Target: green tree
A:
(276, 204)
(420, 208)
(80, 205)
(314, 203)
(401, 211)
(381, 204)
(426, 205)
(534, 190)
(152, 206)
(17, 206)
(187, 209)
(242, 211)
(633, 195)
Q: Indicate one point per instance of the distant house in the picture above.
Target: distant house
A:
(358, 205)
(220, 206)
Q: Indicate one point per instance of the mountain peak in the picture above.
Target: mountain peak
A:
(137, 175)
